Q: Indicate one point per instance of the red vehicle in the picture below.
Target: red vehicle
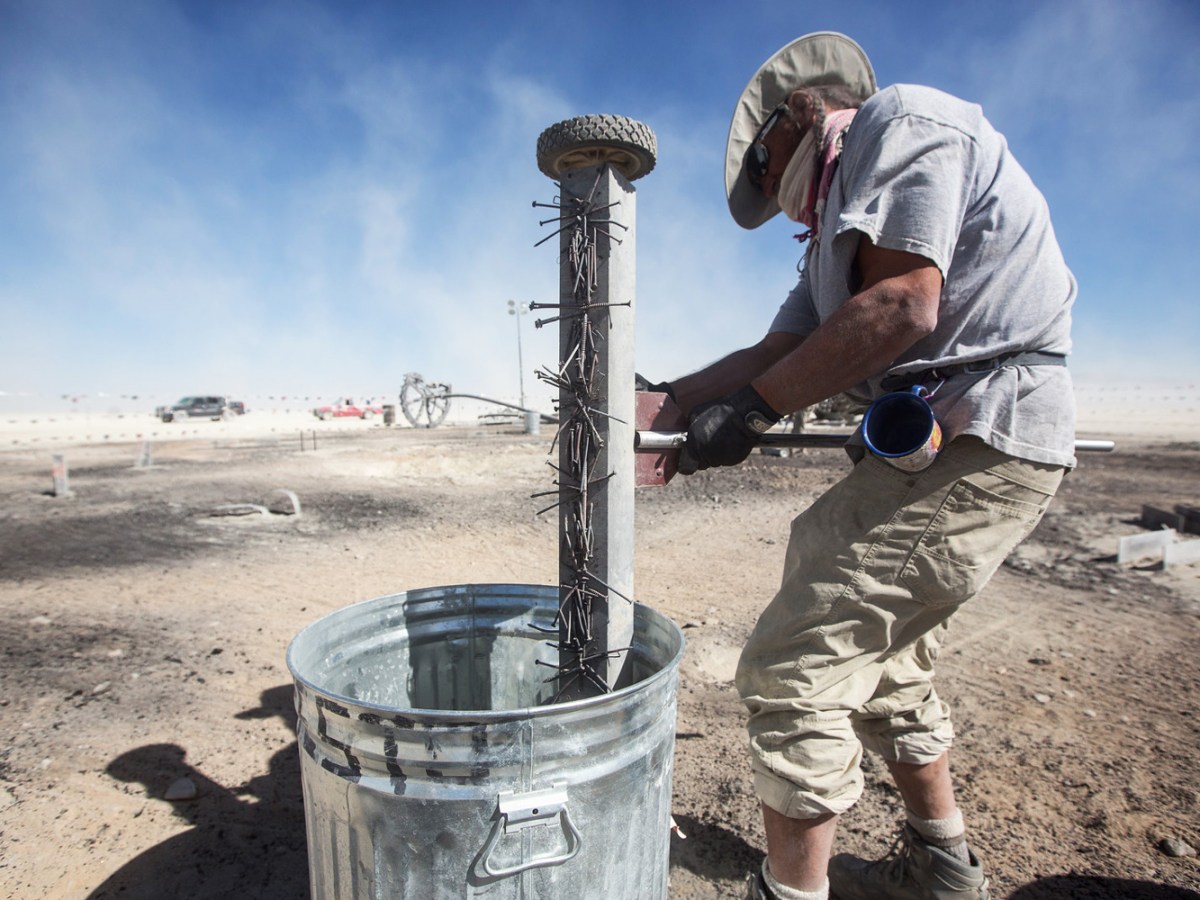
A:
(347, 407)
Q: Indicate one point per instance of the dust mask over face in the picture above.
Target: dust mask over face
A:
(796, 183)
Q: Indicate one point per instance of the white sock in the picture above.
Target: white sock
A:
(783, 892)
(948, 834)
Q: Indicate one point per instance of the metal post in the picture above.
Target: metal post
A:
(58, 471)
(594, 159)
(596, 401)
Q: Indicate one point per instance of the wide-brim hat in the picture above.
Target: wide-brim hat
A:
(823, 57)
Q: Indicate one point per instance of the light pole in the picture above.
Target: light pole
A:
(518, 310)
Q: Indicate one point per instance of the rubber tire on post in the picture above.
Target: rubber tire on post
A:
(627, 144)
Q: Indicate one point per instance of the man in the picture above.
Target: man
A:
(931, 261)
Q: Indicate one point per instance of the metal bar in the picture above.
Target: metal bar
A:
(672, 440)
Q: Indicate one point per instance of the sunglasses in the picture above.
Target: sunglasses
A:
(757, 158)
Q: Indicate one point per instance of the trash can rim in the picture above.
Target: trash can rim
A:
(467, 716)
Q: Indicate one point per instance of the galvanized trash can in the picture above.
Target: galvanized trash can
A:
(389, 414)
(434, 767)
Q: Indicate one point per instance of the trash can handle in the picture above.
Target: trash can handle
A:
(520, 811)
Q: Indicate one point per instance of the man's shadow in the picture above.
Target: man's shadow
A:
(245, 841)
(1095, 887)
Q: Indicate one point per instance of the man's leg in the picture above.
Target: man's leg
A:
(871, 572)
(926, 788)
(813, 660)
(930, 809)
(933, 861)
(798, 849)
(993, 505)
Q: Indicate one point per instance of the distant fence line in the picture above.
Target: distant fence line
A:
(57, 429)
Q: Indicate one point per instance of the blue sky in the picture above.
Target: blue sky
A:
(291, 198)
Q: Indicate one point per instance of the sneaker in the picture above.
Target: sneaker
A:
(756, 887)
(919, 871)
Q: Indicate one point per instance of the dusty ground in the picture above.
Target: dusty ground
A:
(143, 640)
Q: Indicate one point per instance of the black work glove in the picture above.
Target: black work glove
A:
(723, 432)
(663, 387)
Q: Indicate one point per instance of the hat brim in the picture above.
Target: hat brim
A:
(824, 57)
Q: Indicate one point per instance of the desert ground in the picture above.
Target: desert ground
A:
(144, 643)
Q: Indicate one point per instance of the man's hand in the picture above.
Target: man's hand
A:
(723, 432)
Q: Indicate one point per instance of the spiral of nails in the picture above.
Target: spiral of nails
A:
(579, 407)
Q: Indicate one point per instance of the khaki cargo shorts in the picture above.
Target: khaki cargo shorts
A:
(843, 657)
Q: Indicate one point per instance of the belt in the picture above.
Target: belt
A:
(903, 380)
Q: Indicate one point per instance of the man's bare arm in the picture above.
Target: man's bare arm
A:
(731, 372)
(896, 307)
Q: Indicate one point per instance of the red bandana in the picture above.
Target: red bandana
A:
(836, 124)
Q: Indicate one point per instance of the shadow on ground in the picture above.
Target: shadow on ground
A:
(245, 841)
(249, 840)
(712, 851)
(1089, 887)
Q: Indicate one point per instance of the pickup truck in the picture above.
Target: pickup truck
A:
(215, 408)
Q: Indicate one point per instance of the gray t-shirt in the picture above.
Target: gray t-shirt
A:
(926, 173)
